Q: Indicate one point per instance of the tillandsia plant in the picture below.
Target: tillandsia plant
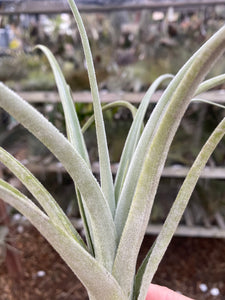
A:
(115, 214)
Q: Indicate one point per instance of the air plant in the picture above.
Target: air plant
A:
(115, 214)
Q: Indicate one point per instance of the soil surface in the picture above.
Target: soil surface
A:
(188, 264)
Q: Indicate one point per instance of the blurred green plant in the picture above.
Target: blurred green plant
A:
(115, 214)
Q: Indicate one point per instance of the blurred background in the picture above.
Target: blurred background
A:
(133, 42)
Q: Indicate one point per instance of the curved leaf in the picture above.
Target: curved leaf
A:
(137, 220)
(125, 104)
(178, 207)
(210, 83)
(136, 164)
(140, 273)
(134, 134)
(207, 102)
(74, 133)
(75, 256)
(103, 227)
(45, 199)
(105, 168)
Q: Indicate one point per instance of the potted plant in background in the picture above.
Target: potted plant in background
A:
(115, 214)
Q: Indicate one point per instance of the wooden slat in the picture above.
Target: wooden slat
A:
(55, 7)
(182, 230)
(195, 231)
(152, 229)
(208, 172)
(85, 97)
(170, 172)
(178, 171)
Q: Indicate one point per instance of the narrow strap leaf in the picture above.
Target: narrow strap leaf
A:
(134, 170)
(102, 223)
(23, 204)
(178, 207)
(155, 157)
(74, 133)
(125, 104)
(105, 169)
(210, 83)
(86, 223)
(134, 134)
(45, 199)
(76, 257)
(207, 102)
(140, 273)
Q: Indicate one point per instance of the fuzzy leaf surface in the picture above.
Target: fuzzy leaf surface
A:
(105, 168)
(99, 282)
(103, 227)
(178, 207)
(137, 220)
(134, 134)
